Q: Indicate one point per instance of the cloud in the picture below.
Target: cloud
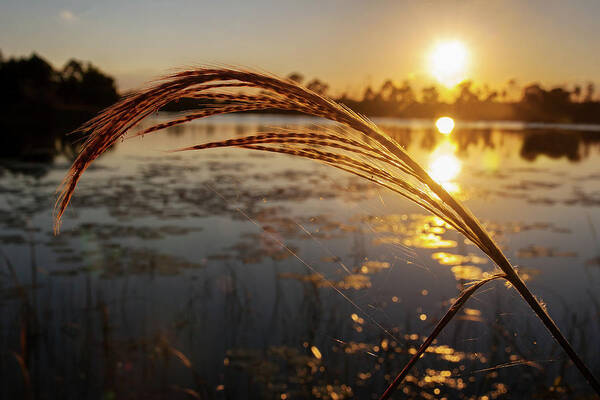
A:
(67, 15)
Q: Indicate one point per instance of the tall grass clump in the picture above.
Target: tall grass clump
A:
(360, 148)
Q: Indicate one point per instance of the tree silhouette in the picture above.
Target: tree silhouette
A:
(589, 92)
(430, 95)
(296, 77)
(369, 95)
(318, 86)
(38, 103)
(576, 94)
(86, 85)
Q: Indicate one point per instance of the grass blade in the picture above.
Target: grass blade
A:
(456, 306)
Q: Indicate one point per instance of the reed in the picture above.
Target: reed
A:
(360, 148)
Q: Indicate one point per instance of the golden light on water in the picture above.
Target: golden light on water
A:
(448, 62)
(316, 352)
(445, 167)
(445, 125)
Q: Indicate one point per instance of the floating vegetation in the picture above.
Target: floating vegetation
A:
(106, 232)
(351, 281)
(256, 247)
(534, 251)
(120, 262)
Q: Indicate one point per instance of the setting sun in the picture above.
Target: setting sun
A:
(448, 62)
(445, 125)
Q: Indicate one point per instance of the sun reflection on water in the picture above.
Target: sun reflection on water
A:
(445, 167)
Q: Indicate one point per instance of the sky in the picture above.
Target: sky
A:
(346, 43)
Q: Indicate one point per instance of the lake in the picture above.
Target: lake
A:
(237, 274)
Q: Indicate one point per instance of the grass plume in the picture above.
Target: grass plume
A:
(358, 147)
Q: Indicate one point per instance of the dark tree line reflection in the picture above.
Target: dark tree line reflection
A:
(556, 144)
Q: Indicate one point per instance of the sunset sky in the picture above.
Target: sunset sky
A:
(346, 43)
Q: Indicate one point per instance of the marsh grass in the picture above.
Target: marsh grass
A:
(355, 145)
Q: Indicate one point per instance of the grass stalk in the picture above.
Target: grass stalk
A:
(454, 308)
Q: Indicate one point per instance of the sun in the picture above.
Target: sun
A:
(448, 62)
(444, 125)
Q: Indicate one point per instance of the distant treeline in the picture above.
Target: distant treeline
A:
(37, 102)
(532, 103)
(31, 81)
(35, 98)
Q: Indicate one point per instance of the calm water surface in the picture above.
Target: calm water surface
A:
(233, 274)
